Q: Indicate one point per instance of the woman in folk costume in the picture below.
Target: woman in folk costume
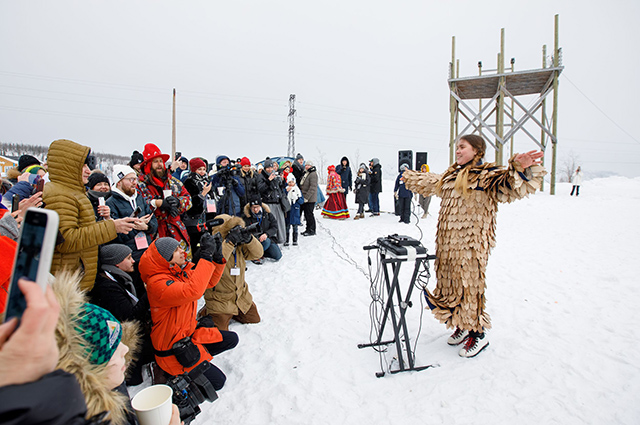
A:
(470, 192)
(336, 204)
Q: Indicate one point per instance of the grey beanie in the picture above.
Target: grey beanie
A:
(404, 167)
(113, 254)
(375, 161)
(299, 156)
(166, 247)
(364, 167)
(268, 163)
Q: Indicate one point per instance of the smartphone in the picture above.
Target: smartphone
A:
(40, 185)
(15, 203)
(33, 256)
(136, 212)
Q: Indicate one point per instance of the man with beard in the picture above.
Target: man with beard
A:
(166, 196)
(124, 200)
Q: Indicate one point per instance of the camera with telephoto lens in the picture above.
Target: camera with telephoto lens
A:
(190, 390)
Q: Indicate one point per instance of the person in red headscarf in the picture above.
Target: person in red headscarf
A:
(166, 195)
(336, 205)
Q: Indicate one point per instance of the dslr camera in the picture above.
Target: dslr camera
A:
(190, 390)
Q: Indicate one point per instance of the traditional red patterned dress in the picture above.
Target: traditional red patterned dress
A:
(336, 204)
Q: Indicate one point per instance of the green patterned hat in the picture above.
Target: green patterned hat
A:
(101, 331)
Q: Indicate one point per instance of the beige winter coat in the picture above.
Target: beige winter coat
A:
(232, 294)
(66, 194)
(466, 234)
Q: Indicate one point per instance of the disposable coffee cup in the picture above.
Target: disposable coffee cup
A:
(153, 405)
(167, 193)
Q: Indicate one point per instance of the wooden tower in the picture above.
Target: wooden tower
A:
(497, 114)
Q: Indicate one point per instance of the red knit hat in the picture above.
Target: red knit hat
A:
(196, 163)
(245, 161)
(150, 152)
(331, 168)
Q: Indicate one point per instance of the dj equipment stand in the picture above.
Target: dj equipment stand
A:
(395, 250)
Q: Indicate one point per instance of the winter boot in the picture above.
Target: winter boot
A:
(457, 337)
(475, 342)
(295, 238)
(286, 242)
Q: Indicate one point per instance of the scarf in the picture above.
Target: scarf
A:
(294, 194)
(127, 280)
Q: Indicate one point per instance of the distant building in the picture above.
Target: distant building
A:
(7, 162)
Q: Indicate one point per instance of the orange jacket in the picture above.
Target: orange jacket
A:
(8, 248)
(173, 295)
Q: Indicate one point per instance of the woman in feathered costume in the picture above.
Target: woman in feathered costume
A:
(470, 192)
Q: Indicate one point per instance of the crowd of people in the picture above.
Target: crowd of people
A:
(137, 249)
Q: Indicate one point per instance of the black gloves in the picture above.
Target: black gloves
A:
(170, 205)
(234, 182)
(239, 235)
(211, 248)
(235, 235)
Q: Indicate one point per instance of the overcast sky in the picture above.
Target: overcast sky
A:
(370, 77)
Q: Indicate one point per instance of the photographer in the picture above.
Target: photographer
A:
(231, 298)
(174, 287)
(227, 187)
(257, 213)
(271, 187)
(199, 187)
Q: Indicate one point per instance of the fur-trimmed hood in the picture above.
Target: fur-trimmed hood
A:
(247, 209)
(74, 359)
(229, 223)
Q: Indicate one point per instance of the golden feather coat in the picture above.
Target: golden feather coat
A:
(466, 234)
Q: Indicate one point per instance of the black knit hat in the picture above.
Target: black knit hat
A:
(96, 178)
(25, 160)
(136, 158)
(114, 254)
(255, 200)
(166, 247)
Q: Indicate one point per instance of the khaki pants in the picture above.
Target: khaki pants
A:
(222, 320)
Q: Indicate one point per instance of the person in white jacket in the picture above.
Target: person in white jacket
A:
(576, 181)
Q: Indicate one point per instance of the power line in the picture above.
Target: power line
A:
(564, 74)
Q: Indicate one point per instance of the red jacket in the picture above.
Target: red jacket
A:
(173, 295)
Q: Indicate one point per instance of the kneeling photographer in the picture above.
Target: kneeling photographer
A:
(174, 286)
(231, 299)
(259, 215)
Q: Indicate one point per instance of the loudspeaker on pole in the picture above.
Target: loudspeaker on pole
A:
(405, 157)
(421, 158)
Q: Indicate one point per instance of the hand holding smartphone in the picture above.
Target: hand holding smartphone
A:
(33, 256)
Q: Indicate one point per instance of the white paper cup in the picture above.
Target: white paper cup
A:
(167, 193)
(153, 405)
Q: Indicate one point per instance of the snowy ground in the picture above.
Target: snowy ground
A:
(562, 292)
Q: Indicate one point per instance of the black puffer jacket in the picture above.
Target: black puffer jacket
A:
(268, 223)
(270, 190)
(376, 178)
(196, 214)
(345, 175)
(250, 182)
